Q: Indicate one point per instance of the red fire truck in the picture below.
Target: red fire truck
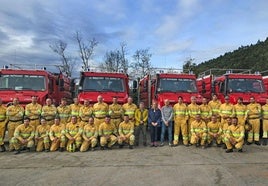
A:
(235, 83)
(24, 83)
(107, 84)
(164, 84)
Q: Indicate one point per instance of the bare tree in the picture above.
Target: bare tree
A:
(142, 59)
(59, 47)
(115, 61)
(86, 50)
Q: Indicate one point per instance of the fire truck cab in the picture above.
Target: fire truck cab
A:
(235, 83)
(167, 84)
(107, 84)
(24, 83)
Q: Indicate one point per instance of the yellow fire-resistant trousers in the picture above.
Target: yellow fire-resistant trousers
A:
(110, 141)
(217, 139)
(238, 145)
(11, 129)
(85, 145)
(97, 122)
(129, 140)
(180, 125)
(116, 122)
(2, 132)
(34, 123)
(42, 143)
(58, 143)
(77, 141)
(195, 139)
(254, 133)
(265, 128)
(17, 143)
(190, 121)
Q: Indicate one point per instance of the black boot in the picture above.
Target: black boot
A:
(3, 148)
(264, 141)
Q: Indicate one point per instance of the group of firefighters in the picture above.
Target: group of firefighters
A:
(77, 127)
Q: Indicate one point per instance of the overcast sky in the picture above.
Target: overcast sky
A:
(174, 30)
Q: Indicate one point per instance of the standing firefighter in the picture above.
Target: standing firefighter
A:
(57, 136)
(100, 110)
(85, 112)
(253, 114)
(75, 107)
(226, 110)
(49, 112)
(33, 111)
(180, 122)
(215, 106)
(115, 111)
(15, 114)
(193, 110)
(235, 136)
(73, 133)
(126, 130)
(141, 119)
(265, 123)
(64, 111)
(3, 122)
(42, 136)
(108, 133)
(129, 108)
(23, 136)
(89, 135)
(240, 111)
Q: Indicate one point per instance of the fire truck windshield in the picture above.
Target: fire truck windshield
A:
(103, 84)
(177, 85)
(246, 85)
(22, 82)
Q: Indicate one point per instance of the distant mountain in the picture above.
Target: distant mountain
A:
(254, 57)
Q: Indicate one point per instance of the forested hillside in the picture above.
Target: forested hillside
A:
(253, 57)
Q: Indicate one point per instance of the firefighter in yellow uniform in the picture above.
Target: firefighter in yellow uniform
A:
(73, 133)
(64, 111)
(23, 136)
(180, 122)
(224, 131)
(3, 122)
(15, 114)
(126, 133)
(141, 120)
(215, 106)
(129, 108)
(100, 110)
(235, 136)
(75, 107)
(193, 110)
(89, 136)
(240, 111)
(214, 131)
(199, 132)
(33, 111)
(265, 123)
(226, 110)
(85, 112)
(205, 111)
(108, 133)
(42, 136)
(115, 111)
(57, 136)
(253, 114)
(49, 112)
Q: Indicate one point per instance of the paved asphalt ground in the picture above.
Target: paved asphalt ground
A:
(141, 166)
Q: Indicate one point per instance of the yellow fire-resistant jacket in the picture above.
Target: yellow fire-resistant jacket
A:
(215, 106)
(22, 132)
(129, 109)
(49, 112)
(64, 113)
(107, 129)
(253, 110)
(56, 131)
(138, 114)
(3, 111)
(193, 110)
(75, 109)
(42, 131)
(89, 131)
(15, 113)
(33, 111)
(236, 132)
(115, 111)
(126, 129)
(100, 110)
(180, 111)
(73, 130)
(85, 112)
(226, 110)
